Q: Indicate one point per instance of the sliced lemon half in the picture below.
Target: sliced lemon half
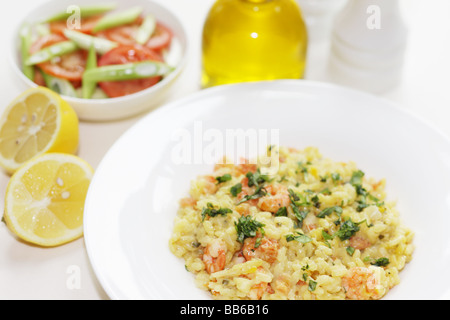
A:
(36, 122)
(45, 198)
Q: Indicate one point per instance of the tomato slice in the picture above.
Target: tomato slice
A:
(46, 41)
(70, 66)
(125, 35)
(86, 25)
(161, 38)
(128, 54)
(38, 78)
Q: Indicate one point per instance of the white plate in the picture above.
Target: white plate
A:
(134, 195)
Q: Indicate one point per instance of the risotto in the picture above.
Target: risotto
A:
(314, 229)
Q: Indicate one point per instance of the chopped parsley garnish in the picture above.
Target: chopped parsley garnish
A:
(357, 177)
(236, 189)
(362, 202)
(315, 200)
(326, 236)
(293, 195)
(224, 178)
(302, 167)
(303, 170)
(300, 237)
(282, 212)
(260, 192)
(298, 201)
(195, 244)
(256, 179)
(312, 285)
(330, 210)
(299, 214)
(361, 205)
(362, 193)
(213, 212)
(247, 227)
(335, 177)
(347, 229)
(380, 262)
(304, 276)
(350, 250)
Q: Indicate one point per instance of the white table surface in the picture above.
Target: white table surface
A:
(28, 272)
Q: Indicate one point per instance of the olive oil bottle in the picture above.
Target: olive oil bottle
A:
(253, 40)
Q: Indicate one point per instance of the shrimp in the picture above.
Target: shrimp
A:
(246, 166)
(282, 284)
(377, 184)
(246, 190)
(236, 169)
(214, 256)
(210, 185)
(267, 249)
(188, 202)
(243, 209)
(256, 291)
(276, 198)
(224, 164)
(359, 242)
(238, 258)
(362, 283)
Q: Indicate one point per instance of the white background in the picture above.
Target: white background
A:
(28, 272)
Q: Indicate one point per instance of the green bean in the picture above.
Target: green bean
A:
(60, 86)
(48, 53)
(124, 72)
(91, 62)
(85, 12)
(118, 19)
(86, 41)
(88, 87)
(146, 30)
(121, 72)
(98, 94)
(25, 44)
(43, 30)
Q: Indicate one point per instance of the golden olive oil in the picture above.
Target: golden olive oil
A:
(253, 40)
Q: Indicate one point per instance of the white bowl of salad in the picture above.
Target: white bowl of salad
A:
(109, 61)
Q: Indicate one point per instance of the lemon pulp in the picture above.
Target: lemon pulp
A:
(36, 122)
(45, 198)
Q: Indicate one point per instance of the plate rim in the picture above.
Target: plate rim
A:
(180, 102)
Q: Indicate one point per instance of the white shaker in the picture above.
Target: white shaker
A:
(368, 45)
(319, 17)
